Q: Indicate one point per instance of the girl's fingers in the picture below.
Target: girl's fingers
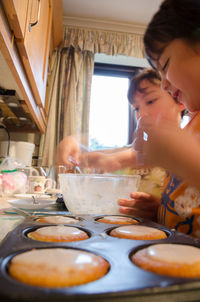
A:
(135, 212)
(137, 204)
(141, 195)
(145, 197)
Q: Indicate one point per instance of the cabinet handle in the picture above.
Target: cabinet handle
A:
(38, 17)
(42, 113)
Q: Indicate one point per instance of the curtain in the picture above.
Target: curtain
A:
(76, 70)
(107, 42)
(49, 140)
(69, 100)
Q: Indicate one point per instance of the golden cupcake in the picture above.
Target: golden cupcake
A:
(57, 267)
(57, 219)
(138, 232)
(117, 220)
(176, 260)
(58, 233)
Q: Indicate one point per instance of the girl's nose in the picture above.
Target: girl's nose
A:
(142, 112)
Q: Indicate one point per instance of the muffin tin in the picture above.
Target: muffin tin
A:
(123, 282)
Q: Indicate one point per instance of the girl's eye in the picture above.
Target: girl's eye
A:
(151, 101)
(165, 65)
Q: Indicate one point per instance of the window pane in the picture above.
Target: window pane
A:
(109, 112)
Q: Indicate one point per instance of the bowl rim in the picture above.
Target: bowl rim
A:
(101, 175)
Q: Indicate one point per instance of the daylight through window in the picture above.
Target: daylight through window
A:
(109, 112)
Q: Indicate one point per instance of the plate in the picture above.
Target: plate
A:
(29, 196)
(29, 205)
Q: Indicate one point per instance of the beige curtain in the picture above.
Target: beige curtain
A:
(69, 100)
(76, 71)
(107, 42)
(49, 140)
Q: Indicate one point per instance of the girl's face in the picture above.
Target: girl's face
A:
(179, 65)
(157, 103)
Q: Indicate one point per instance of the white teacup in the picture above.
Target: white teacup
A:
(39, 184)
(30, 171)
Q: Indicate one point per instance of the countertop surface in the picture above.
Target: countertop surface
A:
(11, 217)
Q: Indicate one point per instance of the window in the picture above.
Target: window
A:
(111, 118)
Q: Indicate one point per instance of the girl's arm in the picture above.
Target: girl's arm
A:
(177, 150)
(110, 161)
(70, 152)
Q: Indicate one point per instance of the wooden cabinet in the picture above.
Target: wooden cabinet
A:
(17, 14)
(31, 24)
(25, 33)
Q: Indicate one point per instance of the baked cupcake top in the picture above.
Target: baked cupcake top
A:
(58, 258)
(58, 233)
(58, 230)
(174, 253)
(57, 267)
(57, 219)
(117, 220)
(138, 232)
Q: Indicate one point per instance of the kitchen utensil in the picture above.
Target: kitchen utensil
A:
(96, 193)
(29, 205)
(123, 282)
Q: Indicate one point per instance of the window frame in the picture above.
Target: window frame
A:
(129, 72)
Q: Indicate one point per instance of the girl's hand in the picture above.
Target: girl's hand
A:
(68, 152)
(142, 205)
(161, 147)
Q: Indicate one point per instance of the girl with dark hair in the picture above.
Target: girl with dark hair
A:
(172, 45)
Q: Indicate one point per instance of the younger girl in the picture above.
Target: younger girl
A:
(147, 99)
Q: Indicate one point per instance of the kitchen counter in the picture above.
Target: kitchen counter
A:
(7, 221)
(4, 203)
(10, 218)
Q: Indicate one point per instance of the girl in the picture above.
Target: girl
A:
(147, 99)
(172, 45)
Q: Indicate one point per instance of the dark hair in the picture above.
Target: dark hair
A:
(150, 75)
(175, 19)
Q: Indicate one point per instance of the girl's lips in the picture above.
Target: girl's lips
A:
(177, 95)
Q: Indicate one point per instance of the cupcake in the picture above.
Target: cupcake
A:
(57, 267)
(59, 233)
(138, 232)
(176, 260)
(117, 220)
(57, 219)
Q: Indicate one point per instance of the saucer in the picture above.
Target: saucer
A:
(29, 205)
(30, 196)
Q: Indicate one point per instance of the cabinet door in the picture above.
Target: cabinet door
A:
(34, 48)
(17, 11)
